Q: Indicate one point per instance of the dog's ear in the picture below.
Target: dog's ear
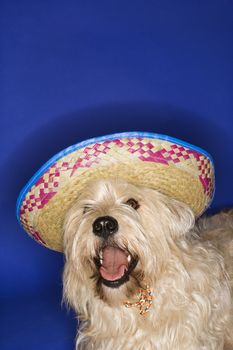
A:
(179, 217)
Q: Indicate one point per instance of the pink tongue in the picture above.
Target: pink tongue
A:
(114, 263)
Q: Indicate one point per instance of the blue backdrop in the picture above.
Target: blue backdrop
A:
(71, 70)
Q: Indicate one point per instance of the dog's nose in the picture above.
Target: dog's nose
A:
(105, 226)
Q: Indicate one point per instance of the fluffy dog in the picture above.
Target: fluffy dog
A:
(142, 275)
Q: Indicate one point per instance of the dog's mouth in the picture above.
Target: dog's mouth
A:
(115, 266)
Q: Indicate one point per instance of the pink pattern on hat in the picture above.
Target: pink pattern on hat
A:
(49, 182)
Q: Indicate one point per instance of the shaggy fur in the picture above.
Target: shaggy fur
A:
(188, 267)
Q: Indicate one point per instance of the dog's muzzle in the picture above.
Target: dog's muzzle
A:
(114, 264)
(105, 226)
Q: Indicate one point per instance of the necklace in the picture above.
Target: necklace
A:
(144, 301)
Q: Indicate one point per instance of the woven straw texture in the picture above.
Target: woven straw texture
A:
(177, 171)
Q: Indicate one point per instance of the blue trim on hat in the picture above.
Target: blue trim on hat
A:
(94, 140)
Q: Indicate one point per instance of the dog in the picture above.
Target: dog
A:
(142, 274)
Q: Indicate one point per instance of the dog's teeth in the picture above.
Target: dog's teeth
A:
(101, 254)
(129, 258)
(101, 261)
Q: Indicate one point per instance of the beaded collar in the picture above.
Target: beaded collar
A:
(144, 301)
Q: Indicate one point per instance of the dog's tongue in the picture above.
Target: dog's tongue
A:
(114, 263)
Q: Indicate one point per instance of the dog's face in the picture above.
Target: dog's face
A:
(117, 238)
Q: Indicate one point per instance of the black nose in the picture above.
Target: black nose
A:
(105, 226)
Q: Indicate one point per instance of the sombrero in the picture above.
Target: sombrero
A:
(173, 167)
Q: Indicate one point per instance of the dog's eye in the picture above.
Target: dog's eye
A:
(86, 209)
(133, 203)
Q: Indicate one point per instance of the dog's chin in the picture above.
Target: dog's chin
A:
(114, 266)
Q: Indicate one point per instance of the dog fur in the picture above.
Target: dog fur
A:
(188, 266)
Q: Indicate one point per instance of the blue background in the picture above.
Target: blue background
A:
(71, 70)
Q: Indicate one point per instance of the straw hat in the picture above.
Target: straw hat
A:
(171, 166)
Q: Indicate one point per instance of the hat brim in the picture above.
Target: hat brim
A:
(173, 167)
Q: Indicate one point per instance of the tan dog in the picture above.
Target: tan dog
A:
(141, 276)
